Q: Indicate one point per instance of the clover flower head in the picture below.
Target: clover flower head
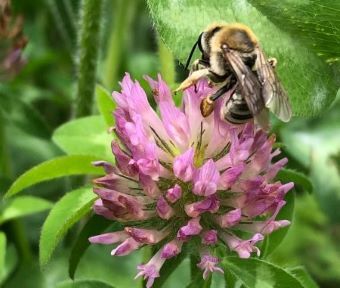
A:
(180, 179)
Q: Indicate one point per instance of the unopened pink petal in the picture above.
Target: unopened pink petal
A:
(109, 238)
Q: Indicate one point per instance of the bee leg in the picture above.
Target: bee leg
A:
(207, 104)
(195, 66)
(199, 64)
(272, 61)
(193, 78)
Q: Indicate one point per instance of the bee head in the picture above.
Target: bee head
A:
(203, 42)
(206, 37)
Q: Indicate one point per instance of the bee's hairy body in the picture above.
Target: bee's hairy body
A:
(232, 59)
(236, 36)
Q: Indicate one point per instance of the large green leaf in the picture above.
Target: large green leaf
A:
(65, 213)
(310, 81)
(85, 136)
(22, 206)
(55, 168)
(312, 21)
(105, 104)
(254, 273)
(274, 239)
(302, 274)
(84, 284)
(94, 226)
(198, 281)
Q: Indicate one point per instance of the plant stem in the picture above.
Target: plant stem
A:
(117, 43)
(88, 46)
(167, 63)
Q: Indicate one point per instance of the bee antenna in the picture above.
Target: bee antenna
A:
(192, 51)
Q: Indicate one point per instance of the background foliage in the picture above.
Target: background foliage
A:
(44, 150)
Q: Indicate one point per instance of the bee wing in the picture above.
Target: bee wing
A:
(248, 82)
(262, 119)
(274, 96)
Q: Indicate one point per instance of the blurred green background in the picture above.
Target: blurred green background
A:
(42, 96)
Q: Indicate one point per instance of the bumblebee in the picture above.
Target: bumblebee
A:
(233, 60)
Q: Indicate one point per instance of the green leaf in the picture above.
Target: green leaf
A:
(198, 281)
(55, 168)
(304, 277)
(310, 82)
(230, 279)
(65, 213)
(286, 213)
(94, 226)
(311, 21)
(85, 136)
(2, 255)
(254, 273)
(166, 270)
(105, 104)
(84, 284)
(301, 181)
(23, 206)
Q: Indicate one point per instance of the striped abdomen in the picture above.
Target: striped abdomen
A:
(236, 110)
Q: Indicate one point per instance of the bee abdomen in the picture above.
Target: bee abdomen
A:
(236, 110)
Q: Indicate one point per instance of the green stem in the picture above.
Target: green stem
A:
(167, 62)
(89, 39)
(125, 10)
